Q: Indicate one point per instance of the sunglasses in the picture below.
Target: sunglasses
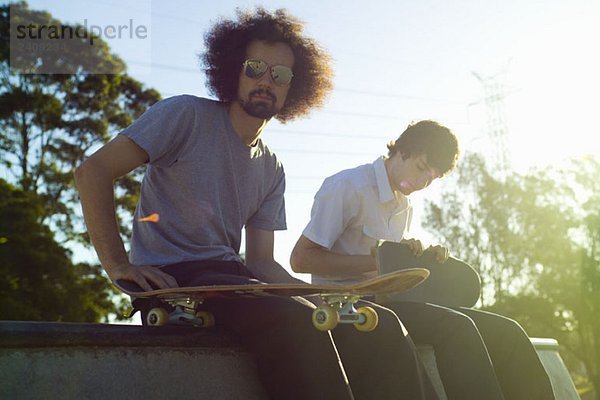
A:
(281, 74)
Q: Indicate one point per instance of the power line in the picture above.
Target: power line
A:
(303, 177)
(339, 89)
(328, 134)
(353, 114)
(328, 152)
(402, 96)
(165, 66)
(155, 14)
(344, 90)
(382, 116)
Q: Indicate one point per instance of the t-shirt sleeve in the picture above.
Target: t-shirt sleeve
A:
(271, 214)
(333, 208)
(163, 129)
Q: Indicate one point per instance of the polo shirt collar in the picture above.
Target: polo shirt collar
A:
(383, 183)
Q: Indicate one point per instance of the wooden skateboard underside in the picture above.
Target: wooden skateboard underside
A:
(394, 282)
(337, 301)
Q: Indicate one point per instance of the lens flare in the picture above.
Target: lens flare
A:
(150, 218)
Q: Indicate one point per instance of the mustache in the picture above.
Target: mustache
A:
(263, 92)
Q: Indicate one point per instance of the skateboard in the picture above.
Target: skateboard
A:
(453, 283)
(337, 301)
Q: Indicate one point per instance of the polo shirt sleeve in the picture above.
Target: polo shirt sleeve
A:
(335, 204)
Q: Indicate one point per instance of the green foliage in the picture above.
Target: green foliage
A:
(39, 281)
(535, 239)
(50, 122)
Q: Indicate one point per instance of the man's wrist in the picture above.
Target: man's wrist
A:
(110, 265)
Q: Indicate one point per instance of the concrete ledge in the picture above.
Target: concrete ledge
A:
(45, 334)
(90, 361)
(563, 385)
(45, 360)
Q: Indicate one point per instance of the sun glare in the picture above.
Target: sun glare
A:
(555, 73)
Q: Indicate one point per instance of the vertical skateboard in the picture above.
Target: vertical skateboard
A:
(453, 283)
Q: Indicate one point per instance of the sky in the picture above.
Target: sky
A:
(395, 62)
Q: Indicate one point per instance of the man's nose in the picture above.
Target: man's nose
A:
(426, 180)
(266, 79)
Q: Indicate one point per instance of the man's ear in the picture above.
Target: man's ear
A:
(405, 156)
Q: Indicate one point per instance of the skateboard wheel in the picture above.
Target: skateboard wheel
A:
(157, 317)
(325, 318)
(208, 320)
(371, 319)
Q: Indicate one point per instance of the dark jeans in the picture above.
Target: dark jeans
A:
(295, 361)
(479, 355)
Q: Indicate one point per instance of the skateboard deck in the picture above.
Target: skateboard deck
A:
(453, 283)
(337, 300)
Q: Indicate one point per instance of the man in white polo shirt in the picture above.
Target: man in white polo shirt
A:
(355, 208)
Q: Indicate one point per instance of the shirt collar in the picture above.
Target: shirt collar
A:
(383, 183)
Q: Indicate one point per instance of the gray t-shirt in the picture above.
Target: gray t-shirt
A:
(204, 183)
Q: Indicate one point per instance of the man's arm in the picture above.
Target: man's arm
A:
(94, 179)
(259, 257)
(309, 257)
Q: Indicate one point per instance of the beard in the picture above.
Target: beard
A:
(260, 108)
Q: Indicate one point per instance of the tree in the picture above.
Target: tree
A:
(50, 122)
(39, 281)
(535, 239)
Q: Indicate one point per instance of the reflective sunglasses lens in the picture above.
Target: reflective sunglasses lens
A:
(281, 74)
(255, 68)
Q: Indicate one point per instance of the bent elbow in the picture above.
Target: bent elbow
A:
(78, 175)
(298, 262)
(89, 173)
(81, 173)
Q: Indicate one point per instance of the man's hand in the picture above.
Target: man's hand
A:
(416, 246)
(441, 253)
(143, 276)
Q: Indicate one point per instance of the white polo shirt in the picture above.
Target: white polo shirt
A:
(352, 210)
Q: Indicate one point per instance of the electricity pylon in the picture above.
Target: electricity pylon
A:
(494, 93)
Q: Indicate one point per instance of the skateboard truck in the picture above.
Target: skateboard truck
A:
(339, 309)
(336, 309)
(186, 313)
(181, 305)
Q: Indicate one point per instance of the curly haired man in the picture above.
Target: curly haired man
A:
(209, 175)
